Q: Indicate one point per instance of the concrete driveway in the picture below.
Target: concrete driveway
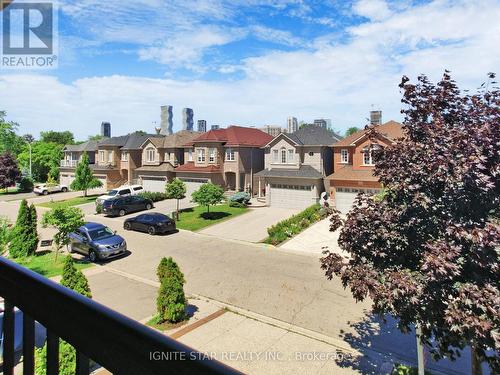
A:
(251, 226)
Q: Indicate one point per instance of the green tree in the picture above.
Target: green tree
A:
(9, 172)
(65, 219)
(74, 280)
(351, 130)
(24, 238)
(208, 195)
(176, 189)
(171, 301)
(61, 138)
(84, 178)
(96, 137)
(5, 232)
(9, 140)
(45, 158)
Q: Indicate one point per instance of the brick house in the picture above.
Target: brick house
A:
(226, 157)
(353, 164)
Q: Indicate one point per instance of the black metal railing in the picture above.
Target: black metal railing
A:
(117, 343)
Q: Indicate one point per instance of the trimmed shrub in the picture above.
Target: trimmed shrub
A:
(67, 359)
(240, 197)
(5, 233)
(75, 279)
(26, 185)
(171, 300)
(295, 224)
(236, 204)
(24, 237)
(154, 196)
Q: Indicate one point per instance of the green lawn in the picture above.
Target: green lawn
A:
(69, 202)
(45, 264)
(197, 218)
(12, 190)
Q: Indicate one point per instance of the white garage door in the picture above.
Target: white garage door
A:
(344, 197)
(292, 196)
(192, 184)
(156, 184)
(66, 179)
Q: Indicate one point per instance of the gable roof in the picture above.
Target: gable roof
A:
(305, 171)
(88, 146)
(234, 136)
(390, 130)
(132, 141)
(310, 135)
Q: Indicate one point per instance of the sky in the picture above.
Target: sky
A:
(246, 62)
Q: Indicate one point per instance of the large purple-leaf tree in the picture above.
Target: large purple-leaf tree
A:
(9, 171)
(426, 250)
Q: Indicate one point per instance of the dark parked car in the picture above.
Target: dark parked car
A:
(151, 223)
(124, 205)
(97, 241)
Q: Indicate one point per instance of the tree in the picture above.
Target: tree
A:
(96, 137)
(84, 178)
(426, 251)
(60, 138)
(9, 140)
(171, 301)
(24, 238)
(208, 195)
(65, 219)
(45, 159)
(75, 279)
(9, 172)
(351, 130)
(176, 189)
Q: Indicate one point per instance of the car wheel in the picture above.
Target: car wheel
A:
(45, 192)
(93, 256)
(151, 230)
(70, 249)
(127, 226)
(121, 212)
(149, 206)
(64, 189)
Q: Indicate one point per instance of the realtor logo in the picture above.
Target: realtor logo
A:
(28, 34)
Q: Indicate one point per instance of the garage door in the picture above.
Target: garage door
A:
(292, 196)
(156, 184)
(344, 197)
(192, 184)
(103, 181)
(66, 179)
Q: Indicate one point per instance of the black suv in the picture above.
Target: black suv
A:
(124, 205)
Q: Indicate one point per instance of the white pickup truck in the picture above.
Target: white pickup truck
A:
(44, 189)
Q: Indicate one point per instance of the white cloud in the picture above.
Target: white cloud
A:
(375, 10)
(334, 78)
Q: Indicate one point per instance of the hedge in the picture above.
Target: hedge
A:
(153, 196)
(295, 224)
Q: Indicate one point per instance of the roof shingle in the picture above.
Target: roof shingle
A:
(235, 136)
(305, 171)
(391, 130)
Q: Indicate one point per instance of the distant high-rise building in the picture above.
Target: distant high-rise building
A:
(272, 130)
(105, 129)
(187, 119)
(291, 124)
(214, 127)
(167, 124)
(202, 126)
(376, 117)
(321, 122)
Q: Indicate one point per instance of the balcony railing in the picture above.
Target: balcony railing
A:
(69, 163)
(117, 343)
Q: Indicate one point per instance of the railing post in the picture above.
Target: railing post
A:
(28, 345)
(82, 364)
(52, 354)
(8, 339)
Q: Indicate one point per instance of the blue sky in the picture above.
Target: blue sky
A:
(248, 62)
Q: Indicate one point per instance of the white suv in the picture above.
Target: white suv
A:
(44, 189)
(123, 191)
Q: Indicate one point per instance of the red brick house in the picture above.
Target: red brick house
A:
(353, 165)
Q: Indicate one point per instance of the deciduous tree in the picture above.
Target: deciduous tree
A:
(61, 138)
(84, 178)
(9, 140)
(208, 195)
(176, 189)
(45, 159)
(426, 251)
(351, 130)
(9, 171)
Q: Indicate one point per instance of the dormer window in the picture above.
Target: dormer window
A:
(150, 155)
(211, 155)
(283, 155)
(230, 154)
(344, 156)
(367, 154)
(201, 155)
(275, 156)
(124, 156)
(291, 155)
(190, 154)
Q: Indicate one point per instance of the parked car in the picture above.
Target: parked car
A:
(44, 189)
(97, 241)
(124, 205)
(123, 191)
(152, 223)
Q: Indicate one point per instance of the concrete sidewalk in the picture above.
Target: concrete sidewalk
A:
(251, 226)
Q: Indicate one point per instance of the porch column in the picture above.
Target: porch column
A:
(260, 190)
(237, 188)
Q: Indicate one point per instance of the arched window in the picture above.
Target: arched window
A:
(283, 155)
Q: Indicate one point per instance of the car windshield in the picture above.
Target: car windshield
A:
(112, 192)
(101, 233)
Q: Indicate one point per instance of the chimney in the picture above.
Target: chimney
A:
(166, 124)
(375, 117)
(105, 129)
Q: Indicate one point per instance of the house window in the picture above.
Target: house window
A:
(367, 157)
(230, 154)
(150, 154)
(275, 156)
(190, 154)
(283, 156)
(291, 154)
(110, 156)
(124, 155)
(102, 156)
(167, 156)
(344, 156)
(211, 155)
(201, 155)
